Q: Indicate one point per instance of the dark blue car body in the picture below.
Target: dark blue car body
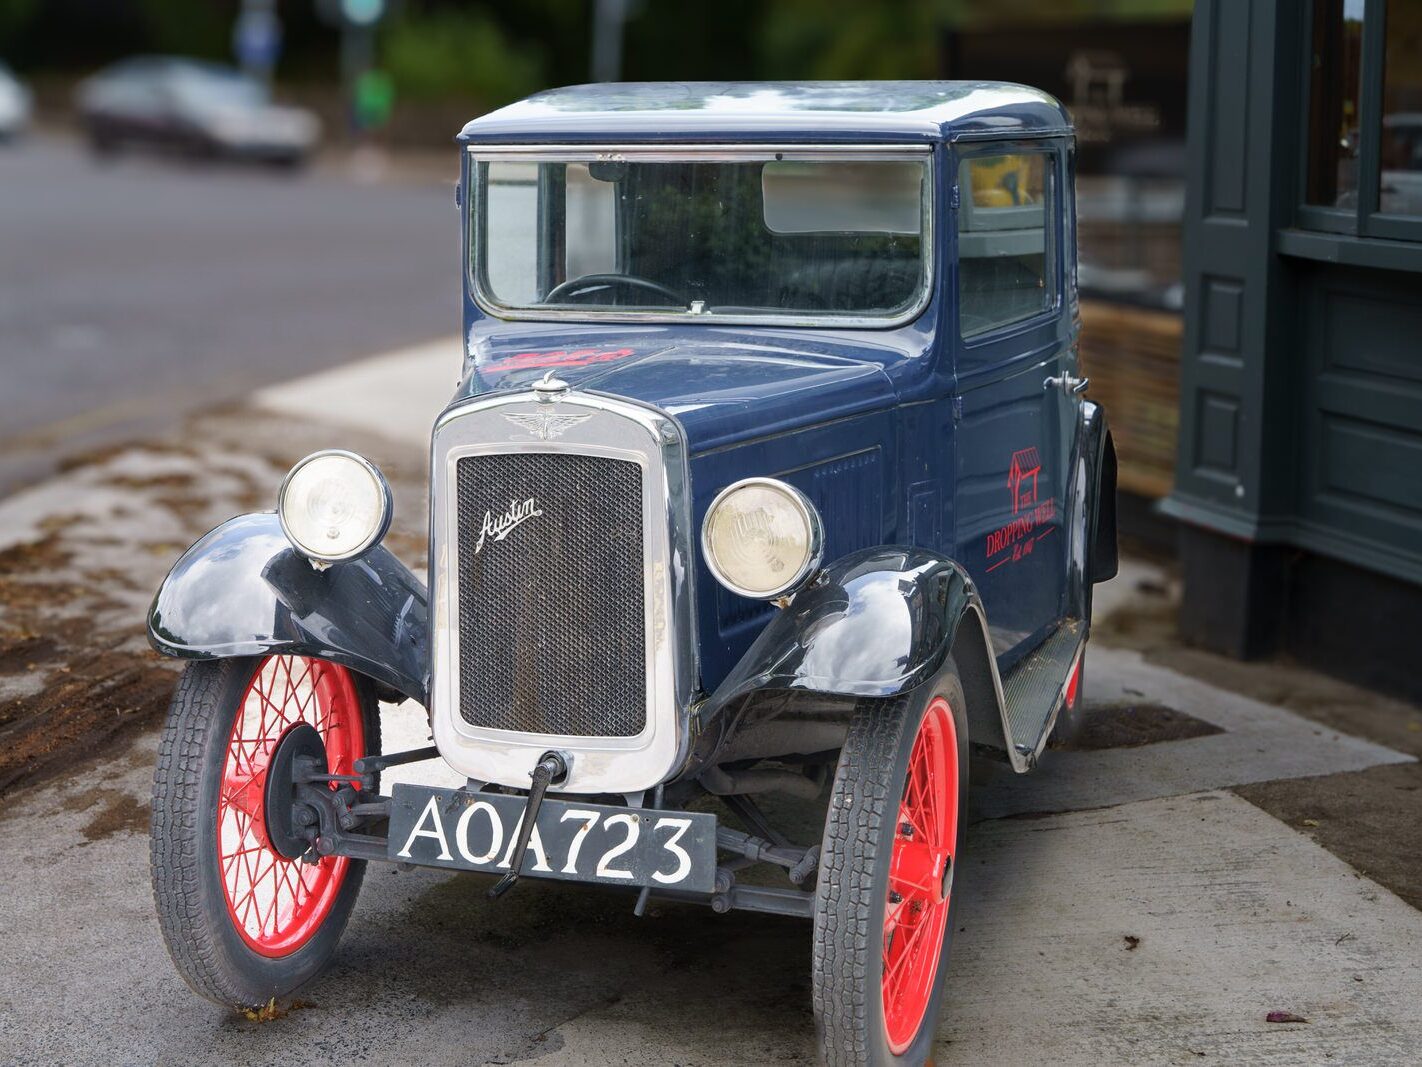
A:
(954, 476)
(903, 436)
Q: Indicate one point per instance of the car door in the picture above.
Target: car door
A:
(1015, 368)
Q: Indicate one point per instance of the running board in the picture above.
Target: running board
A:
(1035, 690)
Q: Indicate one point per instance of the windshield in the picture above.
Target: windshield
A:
(782, 235)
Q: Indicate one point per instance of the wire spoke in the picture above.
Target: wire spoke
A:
(916, 912)
(277, 903)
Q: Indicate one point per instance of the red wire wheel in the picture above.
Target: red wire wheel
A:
(277, 904)
(243, 921)
(920, 876)
(884, 897)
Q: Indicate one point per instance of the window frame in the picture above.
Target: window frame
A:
(479, 155)
(1366, 220)
(1053, 225)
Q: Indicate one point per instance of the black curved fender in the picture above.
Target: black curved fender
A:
(242, 590)
(875, 623)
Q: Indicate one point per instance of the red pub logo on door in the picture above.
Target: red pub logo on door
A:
(1022, 479)
(1031, 514)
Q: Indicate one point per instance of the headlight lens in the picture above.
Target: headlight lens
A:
(761, 538)
(334, 506)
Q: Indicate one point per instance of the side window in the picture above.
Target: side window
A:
(1004, 246)
(511, 206)
(592, 221)
(576, 219)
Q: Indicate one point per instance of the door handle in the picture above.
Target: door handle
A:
(1067, 383)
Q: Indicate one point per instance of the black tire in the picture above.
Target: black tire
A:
(188, 889)
(852, 891)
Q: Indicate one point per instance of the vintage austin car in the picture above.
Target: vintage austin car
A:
(769, 472)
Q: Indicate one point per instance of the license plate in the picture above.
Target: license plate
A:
(570, 841)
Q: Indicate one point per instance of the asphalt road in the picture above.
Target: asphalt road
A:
(136, 292)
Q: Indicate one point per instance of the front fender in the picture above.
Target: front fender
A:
(876, 623)
(873, 624)
(242, 590)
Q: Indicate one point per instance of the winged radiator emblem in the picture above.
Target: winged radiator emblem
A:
(545, 424)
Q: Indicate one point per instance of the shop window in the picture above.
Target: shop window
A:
(1363, 173)
(1400, 145)
(1335, 95)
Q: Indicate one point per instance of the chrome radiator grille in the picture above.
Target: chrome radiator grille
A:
(552, 630)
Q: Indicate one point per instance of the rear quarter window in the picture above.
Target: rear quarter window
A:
(1003, 239)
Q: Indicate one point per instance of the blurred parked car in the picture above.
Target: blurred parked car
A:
(15, 104)
(199, 109)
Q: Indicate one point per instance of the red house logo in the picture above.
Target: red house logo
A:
(1022, 479)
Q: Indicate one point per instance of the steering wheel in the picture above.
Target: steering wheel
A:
(574, 289)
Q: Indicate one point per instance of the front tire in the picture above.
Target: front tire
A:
(242, 922)
(884, 903)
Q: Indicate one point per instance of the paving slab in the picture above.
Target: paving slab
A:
(1257, 743)
(1236, 916)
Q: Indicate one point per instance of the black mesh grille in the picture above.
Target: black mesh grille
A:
(551, 624)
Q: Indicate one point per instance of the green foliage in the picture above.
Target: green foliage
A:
(186, 28)
(493, 51)
(449, 52)
(850, 39)
(15, 15)
(980, 14)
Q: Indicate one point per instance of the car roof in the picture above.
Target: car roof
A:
(823, 112)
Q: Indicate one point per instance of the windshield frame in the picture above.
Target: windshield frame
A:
(476, 195)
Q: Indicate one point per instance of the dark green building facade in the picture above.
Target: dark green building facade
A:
(1299, 477)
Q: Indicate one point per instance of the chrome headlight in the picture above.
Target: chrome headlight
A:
(334, 506)
(762, 538)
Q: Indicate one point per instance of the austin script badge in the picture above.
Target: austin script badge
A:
(503, 525)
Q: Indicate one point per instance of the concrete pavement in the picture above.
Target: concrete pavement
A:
(1156, 931)
(399, 393)
(1124, 906)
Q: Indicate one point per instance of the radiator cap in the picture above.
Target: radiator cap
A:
(550, 388)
